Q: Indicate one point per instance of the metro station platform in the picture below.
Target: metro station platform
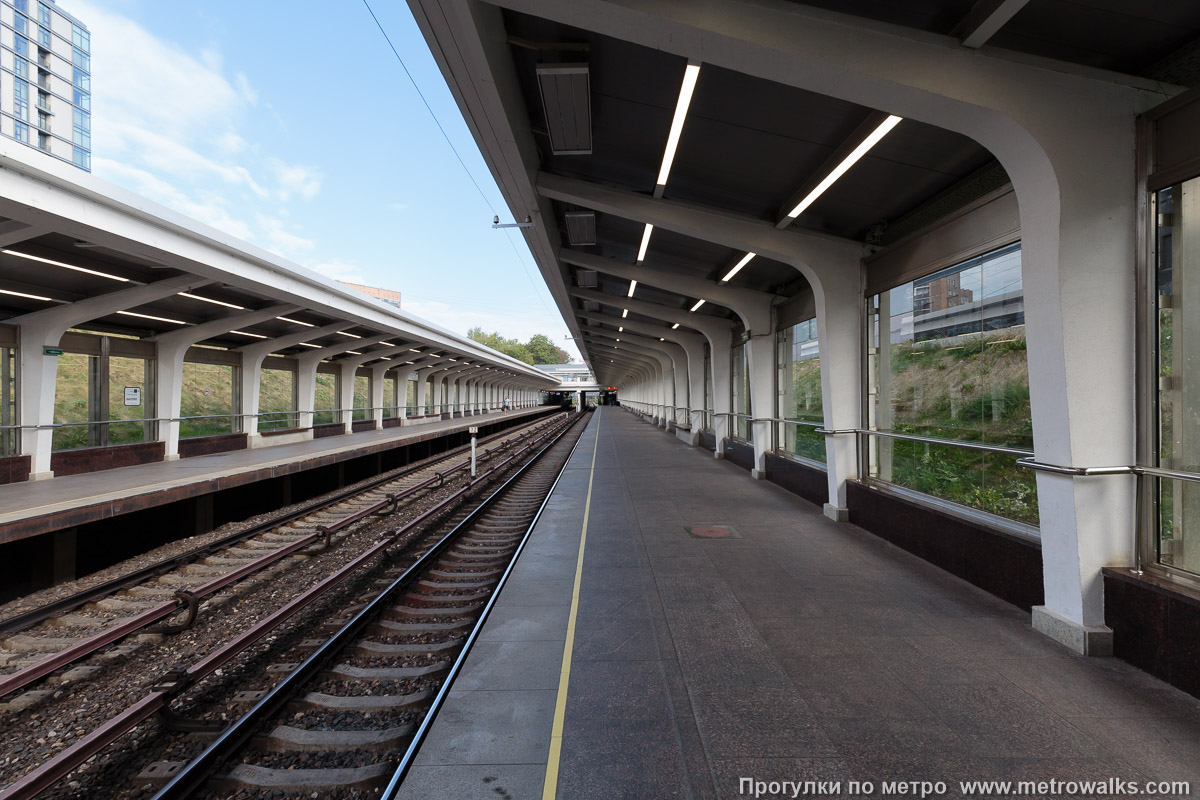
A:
(30, 509)
(727, 630)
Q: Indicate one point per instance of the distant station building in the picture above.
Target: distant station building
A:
(386, 295)
(46, 85)
(568, 373)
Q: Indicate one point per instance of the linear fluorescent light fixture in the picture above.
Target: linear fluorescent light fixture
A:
(632, 286)
(620, 329)
(354, 352)
(351, 335)
(848, 162)
(645, 245)
(624, 313)
(296, 322)
(302, 344)
(28, 296)
(698, 304)
(19, 254)
(251, 335)
(211, 300)
(738, 267)
(676, 325)
(151, 316)
(690, 74)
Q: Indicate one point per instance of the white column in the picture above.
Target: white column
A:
(39, 372)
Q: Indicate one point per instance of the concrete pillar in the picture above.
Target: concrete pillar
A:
(39, 372)
(170, 350)
(839, 302)
(760, 357)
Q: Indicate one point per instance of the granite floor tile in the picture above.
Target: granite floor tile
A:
(506, 666)
(474, 782)
(513, 623)
(491, 727)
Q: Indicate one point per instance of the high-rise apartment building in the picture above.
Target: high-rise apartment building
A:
(46, 80)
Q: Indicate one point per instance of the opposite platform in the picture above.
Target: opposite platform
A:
(727, 630)
(28, 509)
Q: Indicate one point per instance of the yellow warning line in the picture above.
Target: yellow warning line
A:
(550, 787)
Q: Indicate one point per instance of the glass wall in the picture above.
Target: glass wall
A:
(410, 396)
(1178, 369)
(10, 440)
(128, 398)
(325, 398)
(799, 383)
(389, 395)
(362, 397)
(708, 388)
(947, 361)
(740, 389)
(276, 400)
(207, 390)
(75, 388)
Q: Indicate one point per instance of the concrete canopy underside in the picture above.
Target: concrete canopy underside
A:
(784, 91)
(81, 254)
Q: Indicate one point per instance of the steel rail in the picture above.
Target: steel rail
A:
(64, 762)
(29, 618)
(189, 779)
(435, 706)
(13, 682)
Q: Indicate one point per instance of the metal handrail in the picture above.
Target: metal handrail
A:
(908, 437)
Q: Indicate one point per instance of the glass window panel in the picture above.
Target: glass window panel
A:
(362, 397)
(799, 365)
(948, 361)
(325, 399)
(127, 373)
(207, 392)
(276, 400)
(72, 389)
(19, 23)
(410, 396)
(740, 387)
(10, 440)
(44, 37)
(1177, 299)
(389, 396)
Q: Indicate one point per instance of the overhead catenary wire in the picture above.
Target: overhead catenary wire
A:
(454, 150)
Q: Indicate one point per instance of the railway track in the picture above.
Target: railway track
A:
(53, 637)
(258, 654)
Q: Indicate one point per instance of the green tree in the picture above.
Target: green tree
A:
(545, 351)
(538, 350)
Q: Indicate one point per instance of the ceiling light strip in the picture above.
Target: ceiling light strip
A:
(151, 316)
(632, 286)
(848, 162)
(296, 322)
(19, 254)
(690, 74)
(190, 296)
(738, 267)
(698, 304)
(645, 245)
(29, 296)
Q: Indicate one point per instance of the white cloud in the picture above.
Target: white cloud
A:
(245, 89)
(341, 271)
(282, 241)
(168, 123)
(296, 179)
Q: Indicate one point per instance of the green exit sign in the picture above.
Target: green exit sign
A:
(52, 351)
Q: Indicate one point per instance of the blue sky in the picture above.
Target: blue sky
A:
(293, 126)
